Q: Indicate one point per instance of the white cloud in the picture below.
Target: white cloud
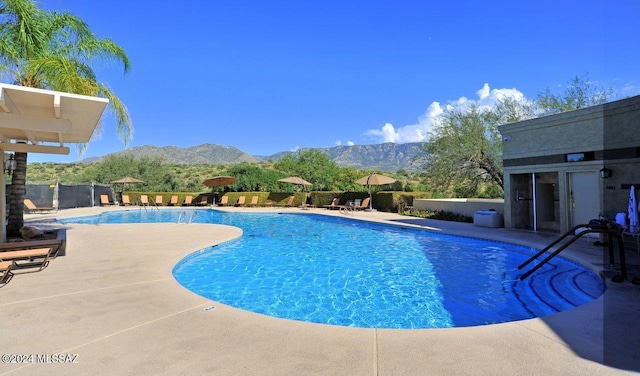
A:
(419, 132)
(350, 143)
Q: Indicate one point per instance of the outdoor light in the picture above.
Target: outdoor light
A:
(9, 165)
(605, 173)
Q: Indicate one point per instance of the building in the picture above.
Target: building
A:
(563, 170)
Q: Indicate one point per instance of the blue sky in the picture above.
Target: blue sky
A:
(271, 76)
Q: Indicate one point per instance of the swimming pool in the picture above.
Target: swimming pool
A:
(345, 272)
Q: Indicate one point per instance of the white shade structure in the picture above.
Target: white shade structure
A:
(42, 121)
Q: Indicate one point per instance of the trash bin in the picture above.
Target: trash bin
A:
(488, 218)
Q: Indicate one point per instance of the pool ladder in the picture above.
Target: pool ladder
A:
(183, 216)
(611, 229)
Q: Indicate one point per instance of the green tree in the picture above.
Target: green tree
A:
(53, 50)
(579, 93)
(252, 177)
(311, 165)
(464, 152)
(157, 175)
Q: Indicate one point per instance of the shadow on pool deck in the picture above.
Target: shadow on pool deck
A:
(613, 321)
(113, 301)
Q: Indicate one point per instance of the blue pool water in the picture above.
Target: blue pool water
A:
(352, 273)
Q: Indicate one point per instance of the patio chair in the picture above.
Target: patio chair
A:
(174, 201)
(241, 201)
(144, 200)
(126, 201)
(254, 201)
(5, 272)
(224, 201)
(204, 201)
(32, 208)
(29, 260)
(362, 205)
(56, 246)
(104, 200)
(158, 201)
(334, 204)
(187, 201)
(290, 201)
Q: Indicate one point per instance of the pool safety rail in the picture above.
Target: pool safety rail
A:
(182, 218)
(612, 230)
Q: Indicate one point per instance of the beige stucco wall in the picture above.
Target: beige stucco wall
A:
(464, 206)
(605, 129)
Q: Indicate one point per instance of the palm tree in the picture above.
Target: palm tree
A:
(53, 50)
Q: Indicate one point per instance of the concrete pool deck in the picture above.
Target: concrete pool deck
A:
(112, 305)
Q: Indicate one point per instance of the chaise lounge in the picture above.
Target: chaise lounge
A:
(5, 272)
(334, 204)
(29, 260)
(104, 200)
(32, 208)
(241, 201)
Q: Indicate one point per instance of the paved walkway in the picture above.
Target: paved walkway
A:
(112, 307)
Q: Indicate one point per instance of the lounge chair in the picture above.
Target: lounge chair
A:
(5, 272)
(159, 200)
(32, 208)
(334, 204)
(144, 200)
(57, 247)
(174, 200)
(126, 201)
(254, 201)
(29, 260)
(104, 200)
(290, 201)
(204, 201)
(224, 201)
(363, 205)
(187, 201)
(241, 201)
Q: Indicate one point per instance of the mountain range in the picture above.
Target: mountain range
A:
(388, 157)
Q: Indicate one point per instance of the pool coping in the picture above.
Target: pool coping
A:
(113, 301)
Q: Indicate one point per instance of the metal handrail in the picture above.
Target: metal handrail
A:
(590, 228)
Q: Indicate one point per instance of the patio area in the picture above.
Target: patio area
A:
(112, 307)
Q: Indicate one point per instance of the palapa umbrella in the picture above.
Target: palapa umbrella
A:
(374, 179)
(219, 181)
(633, 211)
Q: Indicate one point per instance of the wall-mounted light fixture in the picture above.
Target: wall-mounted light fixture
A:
(506, 138)
(9, 165)
(605, 173)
